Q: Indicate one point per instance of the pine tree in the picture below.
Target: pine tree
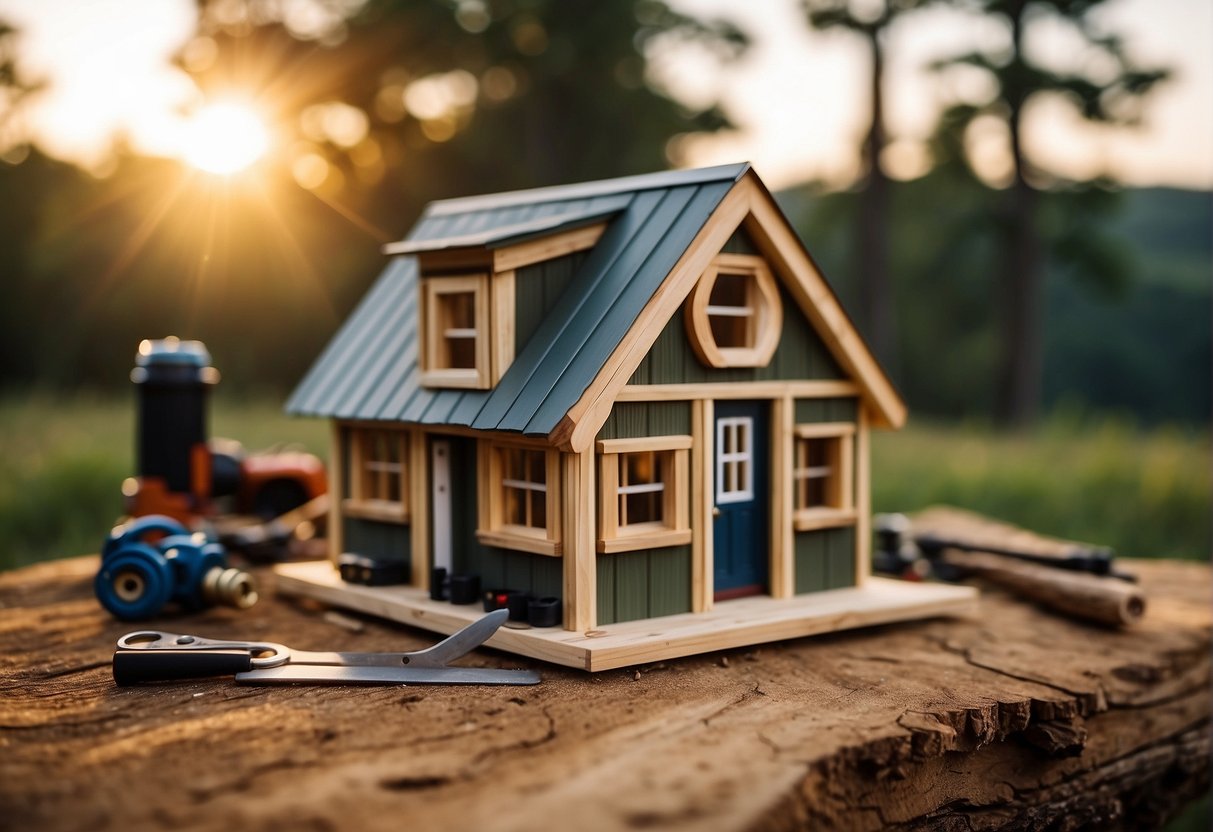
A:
(1108, 91)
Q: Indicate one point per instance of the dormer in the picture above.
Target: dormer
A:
(477, 267)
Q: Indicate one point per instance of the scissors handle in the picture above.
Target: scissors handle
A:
(134, 666)
(262, 653)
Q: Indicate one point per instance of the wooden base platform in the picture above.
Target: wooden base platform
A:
(731, 624)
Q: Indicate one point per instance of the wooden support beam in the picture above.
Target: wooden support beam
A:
(702, 587)
(580, 542)
(419, 509)
(335, 471)
(826, 389)
(548, 247)
(863, 499)
(783, 573)
(501, 288)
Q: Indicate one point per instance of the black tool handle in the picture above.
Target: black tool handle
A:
(132, 667)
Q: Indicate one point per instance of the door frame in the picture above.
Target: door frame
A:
(441, 554)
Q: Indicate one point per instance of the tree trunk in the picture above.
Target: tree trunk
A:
(875, 291)
(1017, 398)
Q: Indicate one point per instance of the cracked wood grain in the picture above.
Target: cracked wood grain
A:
(1015, 719)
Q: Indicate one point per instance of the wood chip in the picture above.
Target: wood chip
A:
(344, 621)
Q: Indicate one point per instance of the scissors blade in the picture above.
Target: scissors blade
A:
(452, 647)
(369, 675)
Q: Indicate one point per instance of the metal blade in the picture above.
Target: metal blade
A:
(460, 643)
(452, 647)
(335, 675)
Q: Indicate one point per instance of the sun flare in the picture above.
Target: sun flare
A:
(225, 138)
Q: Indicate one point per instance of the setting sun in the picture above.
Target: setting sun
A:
(225, 138)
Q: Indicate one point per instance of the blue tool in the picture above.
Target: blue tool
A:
(151, 561)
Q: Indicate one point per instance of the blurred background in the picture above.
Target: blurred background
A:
(1011, 197)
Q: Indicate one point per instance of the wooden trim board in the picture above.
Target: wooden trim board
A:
(729, 624)
(737, 390)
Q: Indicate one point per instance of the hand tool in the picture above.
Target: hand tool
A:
(1076, 594)
(1072, 578)
(940, 528)
(154, 656)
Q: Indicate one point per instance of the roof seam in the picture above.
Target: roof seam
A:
(587, 190)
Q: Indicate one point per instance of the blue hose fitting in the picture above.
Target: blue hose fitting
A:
(154, 560)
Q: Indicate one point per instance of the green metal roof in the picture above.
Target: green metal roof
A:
(370, 368)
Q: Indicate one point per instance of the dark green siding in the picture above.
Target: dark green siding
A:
(536, 289)
(826, 410)
(800, 355)
(508, 569)
(497, 568)
(375, 539)
(825, 559)
(644, 584)
(649, 582)
(632, 420)
(740, 243)
(344, 456)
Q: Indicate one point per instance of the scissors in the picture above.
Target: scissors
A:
(157, 656)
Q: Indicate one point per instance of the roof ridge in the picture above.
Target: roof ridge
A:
(585, 190)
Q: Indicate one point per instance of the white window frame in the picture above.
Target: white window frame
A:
(674, 528)
(743, 457)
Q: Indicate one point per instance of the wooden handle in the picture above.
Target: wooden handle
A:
(1105, 600)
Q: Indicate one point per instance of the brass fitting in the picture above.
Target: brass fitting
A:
(229, 587)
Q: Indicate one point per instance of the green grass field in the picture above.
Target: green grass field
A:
(1147, 494)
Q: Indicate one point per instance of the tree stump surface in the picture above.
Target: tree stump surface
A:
(1015, 718)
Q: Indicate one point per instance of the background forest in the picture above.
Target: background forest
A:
(1050, 332)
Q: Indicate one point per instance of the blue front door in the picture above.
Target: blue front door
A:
(741, 554)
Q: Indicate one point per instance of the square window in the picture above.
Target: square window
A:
(455, 331)
(816, 472)
(643, 493)
(378, 474)
(823, 475)
(457, 339)
(642, 487)
(524, 487)
(519, 495)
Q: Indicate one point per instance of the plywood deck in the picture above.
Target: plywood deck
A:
(731, 624)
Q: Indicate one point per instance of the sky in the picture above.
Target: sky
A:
(798, 97)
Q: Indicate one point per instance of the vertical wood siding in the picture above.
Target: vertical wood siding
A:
(825, 559)
(644, 584)
(498, 568)
(632, 420)
(649, 582)
(826, 410)
(536, 290)
(389, 541)
(740, 243)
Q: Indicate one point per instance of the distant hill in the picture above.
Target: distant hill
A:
(1149, 353)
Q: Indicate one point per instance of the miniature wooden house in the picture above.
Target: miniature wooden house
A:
(638, 395)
